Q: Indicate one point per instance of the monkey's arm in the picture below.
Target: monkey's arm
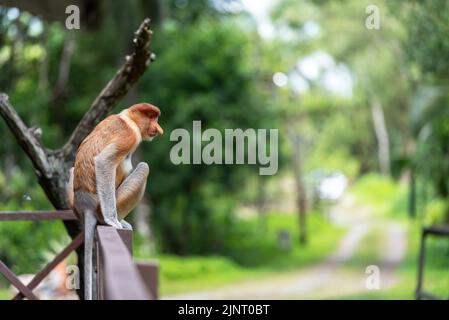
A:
(105, 168)
(70, 193)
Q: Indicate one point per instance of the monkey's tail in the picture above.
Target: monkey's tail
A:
(89, 231)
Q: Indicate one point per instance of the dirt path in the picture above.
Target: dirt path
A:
(337, 275)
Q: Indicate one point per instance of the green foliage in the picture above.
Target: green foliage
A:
(23, 244)
(18, 192)
(428, 27)
(436, 212)
(25, 254)
(431, 129)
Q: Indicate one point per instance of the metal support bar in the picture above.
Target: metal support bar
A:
(50, 266)
(11, 277)
(435, 231)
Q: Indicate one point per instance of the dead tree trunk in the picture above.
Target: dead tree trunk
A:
(52, 166)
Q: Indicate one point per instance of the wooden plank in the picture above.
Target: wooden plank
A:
(79, 239)
(119, 275)
(38, 215)
(149, 271)
(12, 278)
(127, 238)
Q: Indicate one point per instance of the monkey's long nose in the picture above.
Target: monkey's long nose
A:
(159, 129)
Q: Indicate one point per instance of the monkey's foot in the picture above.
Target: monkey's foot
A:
(113, 223)
(126, 225)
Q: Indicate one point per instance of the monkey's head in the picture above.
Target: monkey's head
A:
(146, 115)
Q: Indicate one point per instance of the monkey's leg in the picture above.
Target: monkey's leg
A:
(131, 191)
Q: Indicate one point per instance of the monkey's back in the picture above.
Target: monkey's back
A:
(112, 130)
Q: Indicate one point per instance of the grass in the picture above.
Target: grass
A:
(182, 274)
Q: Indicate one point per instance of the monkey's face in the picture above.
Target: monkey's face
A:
(146, 117)
(152, 129)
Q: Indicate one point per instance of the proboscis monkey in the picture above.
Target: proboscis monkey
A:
(103, 187)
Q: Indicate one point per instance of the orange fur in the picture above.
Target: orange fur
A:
(111, 130)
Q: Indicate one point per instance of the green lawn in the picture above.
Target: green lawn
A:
(182, 274)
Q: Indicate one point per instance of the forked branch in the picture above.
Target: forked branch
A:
(133, 68)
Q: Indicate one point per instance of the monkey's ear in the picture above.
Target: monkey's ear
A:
(147, 109)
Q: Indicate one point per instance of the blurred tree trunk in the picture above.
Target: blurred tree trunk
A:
(158, 10)
(261, 204)
(60, 90)
(383, 140)
(300, 188)
(412, 194)
(43, 68)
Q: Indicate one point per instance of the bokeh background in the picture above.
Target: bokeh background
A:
(363, 139)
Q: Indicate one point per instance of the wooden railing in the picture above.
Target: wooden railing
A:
(117, 276)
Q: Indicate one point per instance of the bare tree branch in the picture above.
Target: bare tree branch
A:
(25, 136)
(133, 68)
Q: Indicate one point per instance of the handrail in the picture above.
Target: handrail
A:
(118, 277)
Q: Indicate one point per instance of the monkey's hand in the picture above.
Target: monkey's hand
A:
(105, 168)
